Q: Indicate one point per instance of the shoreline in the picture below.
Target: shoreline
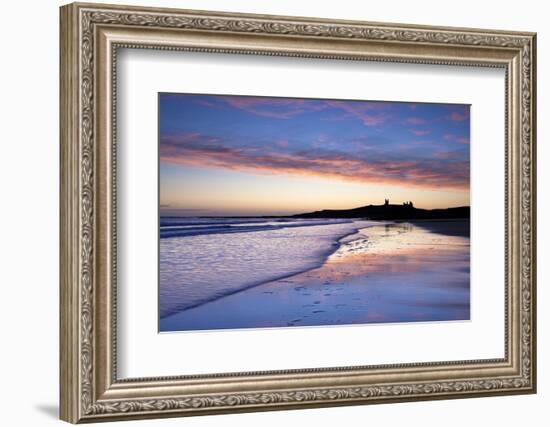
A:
(450, 227)
(276, 278)
(317, 261)
(367, 279)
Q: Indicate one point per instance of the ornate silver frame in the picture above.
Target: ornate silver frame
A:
(90, 36)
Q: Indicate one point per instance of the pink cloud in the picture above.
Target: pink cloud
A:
(206, 103)
(278, 108)
(457, 117)
(370, 114)
(420, 132)
(449, 155)
(457, 139)
(415, 121)
(460, 114)
(282, 143)
(203, 151)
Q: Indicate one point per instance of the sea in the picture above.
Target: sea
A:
(204, 259)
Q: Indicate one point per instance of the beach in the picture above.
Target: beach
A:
(370, 272)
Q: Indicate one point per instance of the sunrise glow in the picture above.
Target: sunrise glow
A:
(236, 155)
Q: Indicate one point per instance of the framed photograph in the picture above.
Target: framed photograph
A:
(266, 212)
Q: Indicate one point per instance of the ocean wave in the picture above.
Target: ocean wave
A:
(199, 268)
(182, 229)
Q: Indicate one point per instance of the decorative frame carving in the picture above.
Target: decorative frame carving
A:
(90, 36)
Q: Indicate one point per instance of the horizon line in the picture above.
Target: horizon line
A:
(234, 215)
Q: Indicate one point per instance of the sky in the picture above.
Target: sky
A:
(225, 155)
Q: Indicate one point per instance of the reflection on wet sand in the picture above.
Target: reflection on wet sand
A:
(388, 273)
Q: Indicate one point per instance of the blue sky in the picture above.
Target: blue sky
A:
(223, 155)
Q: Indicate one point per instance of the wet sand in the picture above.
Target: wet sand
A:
(398, 272)
(459, 228)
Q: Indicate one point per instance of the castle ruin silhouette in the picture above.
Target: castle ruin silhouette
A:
(408, 204)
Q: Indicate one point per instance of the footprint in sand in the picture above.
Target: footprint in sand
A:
(318, 311)
(316, 302)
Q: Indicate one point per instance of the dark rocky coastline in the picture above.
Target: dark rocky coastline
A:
(389, 211)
